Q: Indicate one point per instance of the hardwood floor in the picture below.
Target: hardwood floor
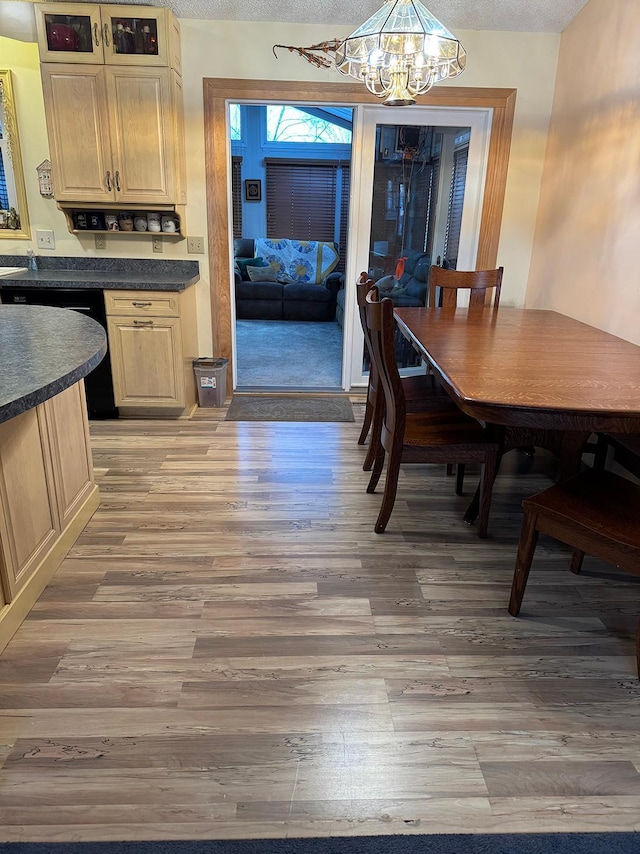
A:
(230, 651)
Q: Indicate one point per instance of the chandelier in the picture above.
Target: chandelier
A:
(400, 52)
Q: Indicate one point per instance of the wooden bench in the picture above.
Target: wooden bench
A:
(597, 513)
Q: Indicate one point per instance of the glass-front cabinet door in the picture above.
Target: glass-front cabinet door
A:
(69, 32)
(134, 35)
(115, 35)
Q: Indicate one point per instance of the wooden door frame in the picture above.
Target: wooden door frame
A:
(218, 90)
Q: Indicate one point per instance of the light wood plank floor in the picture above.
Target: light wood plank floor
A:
(230, 651)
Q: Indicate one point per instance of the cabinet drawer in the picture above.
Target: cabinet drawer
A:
(142, 303)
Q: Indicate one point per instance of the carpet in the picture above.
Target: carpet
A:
(288, 354)
(247, 407)
(499, 843)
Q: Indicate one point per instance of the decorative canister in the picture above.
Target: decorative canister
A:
(80, 220)
(125, 221)
(111, 221)
(140, 222)
(96, 221)
(153, 221)
(169, 224)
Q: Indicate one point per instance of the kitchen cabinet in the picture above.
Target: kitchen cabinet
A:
(115, 134)
(46, 492)
(29, 524)
(152, 341)
(82, 33)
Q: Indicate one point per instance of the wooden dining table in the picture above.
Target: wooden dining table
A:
(531, 372)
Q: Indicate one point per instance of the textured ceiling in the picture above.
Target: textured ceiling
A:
(525, 15)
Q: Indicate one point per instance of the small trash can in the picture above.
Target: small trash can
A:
(211, 380)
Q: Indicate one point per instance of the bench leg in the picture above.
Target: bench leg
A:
(638, 648)
(460, 479)
(526, 549)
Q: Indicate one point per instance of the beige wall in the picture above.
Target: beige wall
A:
(525, 61)
(585, 258)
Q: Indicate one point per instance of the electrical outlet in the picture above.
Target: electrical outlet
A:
(45, 239)
(195, 245)
(157, 244)
(101, 241)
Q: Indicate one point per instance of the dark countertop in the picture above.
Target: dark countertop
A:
(43, 351)
(101, 273)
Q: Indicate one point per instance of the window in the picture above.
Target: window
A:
(235, 122)
(290, 124)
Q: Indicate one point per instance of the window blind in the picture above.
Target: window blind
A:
(456, 201)
(301, 199)
(236, 195)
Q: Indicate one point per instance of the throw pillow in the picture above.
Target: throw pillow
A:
(386, 283)
(262, 274)
(243, 263)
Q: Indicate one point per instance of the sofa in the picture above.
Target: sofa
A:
(410, 290)
(286, 279)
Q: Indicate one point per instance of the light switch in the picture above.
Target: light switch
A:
(45, 239)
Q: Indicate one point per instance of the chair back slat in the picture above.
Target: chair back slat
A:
(382, 333)
(477, 282)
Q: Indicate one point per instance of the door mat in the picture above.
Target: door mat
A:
(262, 407)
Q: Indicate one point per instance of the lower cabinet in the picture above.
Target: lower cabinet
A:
(30, 522)
(153, 342)
(47, 495)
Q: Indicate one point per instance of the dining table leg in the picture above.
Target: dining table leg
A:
(569, 453)
(496, 433)
(571, 447)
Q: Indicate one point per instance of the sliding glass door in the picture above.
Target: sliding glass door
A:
(416, 200)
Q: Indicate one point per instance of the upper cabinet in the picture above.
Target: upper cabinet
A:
(115, 134)
(114, 35)
(113, 103)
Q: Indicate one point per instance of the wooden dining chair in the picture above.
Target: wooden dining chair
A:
(444, 286)
(596, 512)
(420, 391)
(431, 435)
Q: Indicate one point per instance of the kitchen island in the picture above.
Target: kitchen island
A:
(47, 490)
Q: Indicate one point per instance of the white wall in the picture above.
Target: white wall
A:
(525, 61)
(585, 261)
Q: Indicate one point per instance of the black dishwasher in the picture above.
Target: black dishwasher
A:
(98, 384)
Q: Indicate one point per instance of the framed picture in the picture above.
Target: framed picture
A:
(253, 190)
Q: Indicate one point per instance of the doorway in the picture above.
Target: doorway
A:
(419, 190)
(219, 92)
(290, 204)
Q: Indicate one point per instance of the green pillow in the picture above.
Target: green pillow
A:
(243, 263)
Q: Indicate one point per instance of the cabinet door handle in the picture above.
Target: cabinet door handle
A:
(117, 181)
(96, 36)
(108, 180)
(105, 34)
(143, 322)
(141, 304)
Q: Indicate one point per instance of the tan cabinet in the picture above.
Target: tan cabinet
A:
(115, 134)
(29, 524)
(47, 495)
(70, 450)
(82, 33)
(152, 341)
